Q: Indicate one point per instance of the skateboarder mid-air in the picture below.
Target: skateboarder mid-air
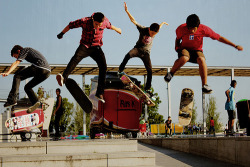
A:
(188, 44)
(39, 70)
(142, 48)
(90, 45)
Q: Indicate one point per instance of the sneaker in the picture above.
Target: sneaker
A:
(150, 94)
(206, 89)
(100, 97)
(120, 73)
(168, 77)
(10, 104)
(34, 107)
(60, 79)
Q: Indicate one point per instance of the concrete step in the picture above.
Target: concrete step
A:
(68, 147)
(107, 152)
(84, 159)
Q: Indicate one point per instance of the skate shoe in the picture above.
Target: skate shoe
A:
(206, 89)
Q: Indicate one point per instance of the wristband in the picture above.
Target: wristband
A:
(236, 46)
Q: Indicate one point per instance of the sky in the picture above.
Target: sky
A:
(36, 23)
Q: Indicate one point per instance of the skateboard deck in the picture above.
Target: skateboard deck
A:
(81, 98)
(138, 92)
(186, 106)
(22, 122)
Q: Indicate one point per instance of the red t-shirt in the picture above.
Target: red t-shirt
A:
(194, 41)
(212, 123)
(90, 35)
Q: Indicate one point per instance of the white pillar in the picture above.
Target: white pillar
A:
(232, 74)
(203, 110)
(84, 115)
(169, 96)
(146, 107)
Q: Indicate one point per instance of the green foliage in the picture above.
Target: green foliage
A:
(40, 93)
(65, 120)
(77, 122)
(194, 115)
(66, 117)
(153, 116)
(210, 111)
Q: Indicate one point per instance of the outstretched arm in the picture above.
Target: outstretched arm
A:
(132, 19)
(163, 23)
(226, 41)
(60, 35)
(12, 67)
(118, 30)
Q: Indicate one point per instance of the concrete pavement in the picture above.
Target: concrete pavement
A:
(166, 157)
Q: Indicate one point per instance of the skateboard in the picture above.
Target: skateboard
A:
(81, 98)
(23, 122)
(186, 106)
(134, 88)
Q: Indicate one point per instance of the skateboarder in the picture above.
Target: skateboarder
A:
(168, 126)
(230, 105)
(39, 70)
(188, 44)
(58, 111)
(90, 45)
(142, 48)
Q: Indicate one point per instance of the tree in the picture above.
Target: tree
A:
(65, 118)
(194, 114)
(210, 111)
(153, 116)
(77, 122)
(67, 115)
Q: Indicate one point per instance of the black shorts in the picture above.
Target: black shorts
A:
(191, 54)
(231, 115)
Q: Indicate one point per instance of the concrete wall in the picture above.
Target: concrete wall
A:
(235, 150)
(3, 130)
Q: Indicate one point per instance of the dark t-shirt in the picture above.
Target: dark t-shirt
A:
(168, 122)
(57, 103)
(34, 57)
(144, 42)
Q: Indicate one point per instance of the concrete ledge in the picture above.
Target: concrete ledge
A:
(24, 148)
(234, 150)
(93, 146)
(56, 160)
(74, 153)
(131, 159)
(83, 159)
(54, 147)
